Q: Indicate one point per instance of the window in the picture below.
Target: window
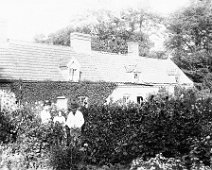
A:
(80, 75)
(126, 98)
(140, 99)
(72, 73)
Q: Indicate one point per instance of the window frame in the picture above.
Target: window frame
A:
(140, 100)
(126, 98)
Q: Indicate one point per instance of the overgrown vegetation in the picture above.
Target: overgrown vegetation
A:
(189, 40)
(32, 92)
(178, 128)
(111, 31)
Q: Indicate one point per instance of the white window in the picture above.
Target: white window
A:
(74, 71)
(72, 74)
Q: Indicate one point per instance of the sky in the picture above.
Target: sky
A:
(27, 18)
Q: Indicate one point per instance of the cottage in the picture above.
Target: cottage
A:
(136, 77)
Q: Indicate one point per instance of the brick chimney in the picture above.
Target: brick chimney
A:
(133, 48)
(81, 43)
(3, 33)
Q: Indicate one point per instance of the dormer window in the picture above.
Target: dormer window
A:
(71, 70)
(74, 70)
(72, 73)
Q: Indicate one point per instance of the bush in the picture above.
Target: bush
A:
(120, 134)
(179, 128)
(9, 159)
(26, 137)
(63, 157)
(161, 163)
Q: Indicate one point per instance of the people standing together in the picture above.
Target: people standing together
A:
(72, 123)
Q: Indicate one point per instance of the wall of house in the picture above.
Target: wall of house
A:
(50, 90)
(134, 91)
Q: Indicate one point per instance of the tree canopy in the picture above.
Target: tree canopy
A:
(190, 35)
(110, 31)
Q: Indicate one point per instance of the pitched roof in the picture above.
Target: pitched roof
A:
(40, 62)
(31, 61)
(121, 68)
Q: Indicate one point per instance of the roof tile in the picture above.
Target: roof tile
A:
(40, 62)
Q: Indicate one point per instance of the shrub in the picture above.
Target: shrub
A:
(63, 157)
(177, 127)
(118, 134)
(159, 162)
(9, 159)
(28, 138)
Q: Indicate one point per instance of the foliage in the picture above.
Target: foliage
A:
(120, 134)
(5, 128)
(63, 157)
(110, 32)
(159, 162)
(50, 90)
(179, 128)
(10, 160)
(190, 36)
(27, 138)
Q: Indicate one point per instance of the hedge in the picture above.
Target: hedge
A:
(27, 91)
(178, 128)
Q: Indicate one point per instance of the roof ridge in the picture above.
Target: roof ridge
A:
(20, 43)
(104, 52)
(126, 55)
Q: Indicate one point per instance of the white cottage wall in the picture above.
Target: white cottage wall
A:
(134, 91)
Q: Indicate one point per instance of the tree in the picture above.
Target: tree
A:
(190, 35)
(109, 31)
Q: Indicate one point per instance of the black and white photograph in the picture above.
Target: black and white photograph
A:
(105, 84)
